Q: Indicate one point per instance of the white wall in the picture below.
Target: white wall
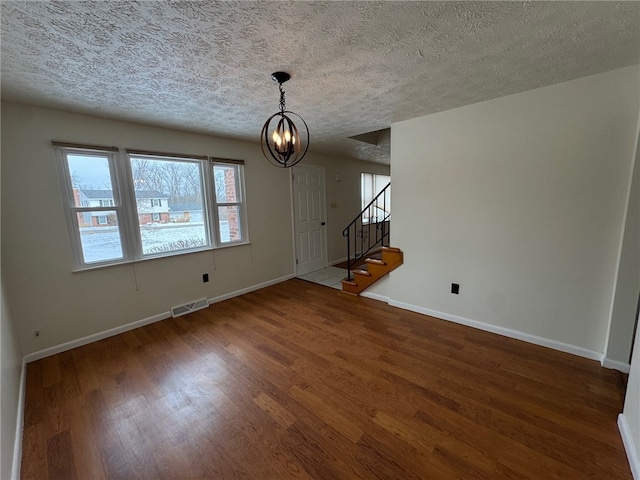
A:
(631, 410)
(42, 291)
(10, 379)
(521, 201)
(625, 304)
(10, 371)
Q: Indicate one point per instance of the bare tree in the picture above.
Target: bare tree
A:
(76, 179)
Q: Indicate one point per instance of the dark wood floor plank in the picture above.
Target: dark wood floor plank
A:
(60, 462)
(299, 381)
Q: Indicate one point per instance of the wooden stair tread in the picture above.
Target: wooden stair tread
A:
(390, 249)
(375, 261)
(359, 271)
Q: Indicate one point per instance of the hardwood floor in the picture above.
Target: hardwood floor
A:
(301, 381)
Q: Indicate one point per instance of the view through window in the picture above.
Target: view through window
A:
(371, 185)
(129, 206)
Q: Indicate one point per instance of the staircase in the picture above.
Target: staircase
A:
(373, 268)
(368, 238)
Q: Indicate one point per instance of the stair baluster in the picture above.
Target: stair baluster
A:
(372, 212)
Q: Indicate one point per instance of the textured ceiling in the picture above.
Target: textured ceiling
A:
(356, 66)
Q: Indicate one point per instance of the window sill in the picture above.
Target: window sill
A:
(87, 268)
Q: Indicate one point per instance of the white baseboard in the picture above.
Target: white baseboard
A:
(252, 288)
(630, 448)
(545, 342)
(615, 365)
(94, 337)
(335, 262)
(139, 323)
(17, 444)
(375, 296)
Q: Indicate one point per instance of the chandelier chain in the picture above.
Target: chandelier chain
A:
(282, 105)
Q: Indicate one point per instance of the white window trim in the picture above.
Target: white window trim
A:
(124, 203)
(242, 211)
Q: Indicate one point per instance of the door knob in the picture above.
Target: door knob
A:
(323, 223)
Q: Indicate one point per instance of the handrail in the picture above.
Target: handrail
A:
(361, 229)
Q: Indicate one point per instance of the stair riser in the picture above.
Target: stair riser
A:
(392, 258)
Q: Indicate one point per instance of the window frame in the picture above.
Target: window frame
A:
(72, 211)
(125, 202)
(241, 203)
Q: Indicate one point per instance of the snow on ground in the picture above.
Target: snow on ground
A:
(103, 243)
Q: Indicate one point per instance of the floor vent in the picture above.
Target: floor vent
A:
(179, 310)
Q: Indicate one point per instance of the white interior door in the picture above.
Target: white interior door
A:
(309, 219)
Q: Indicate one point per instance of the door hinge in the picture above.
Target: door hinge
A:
(296, 261)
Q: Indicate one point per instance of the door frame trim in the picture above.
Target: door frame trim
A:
(293, 215)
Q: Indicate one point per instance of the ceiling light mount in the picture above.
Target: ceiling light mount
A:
(280, 77)
(281, 141)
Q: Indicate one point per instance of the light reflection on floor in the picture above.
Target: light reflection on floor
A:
(329, 277)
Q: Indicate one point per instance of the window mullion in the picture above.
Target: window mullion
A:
(242, 207)
(132, 241)
(211, 202)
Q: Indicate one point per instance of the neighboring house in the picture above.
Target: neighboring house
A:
(153, 207)
(186, 212)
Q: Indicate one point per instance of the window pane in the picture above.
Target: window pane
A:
(229, 222)
(371, 186)
(90, 180)
(225, 177)
(367, 189)
(169, 204)
(100, 236)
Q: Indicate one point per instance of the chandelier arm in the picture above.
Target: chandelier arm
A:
(306, 127)
(273, 155)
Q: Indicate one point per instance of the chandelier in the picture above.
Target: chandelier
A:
(280, 140)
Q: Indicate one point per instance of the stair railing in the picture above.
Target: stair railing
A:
(368, 230)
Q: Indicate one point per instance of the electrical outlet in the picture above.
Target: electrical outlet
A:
(205, 277)
(455, 288)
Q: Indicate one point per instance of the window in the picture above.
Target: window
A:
(371, 185)
(229, 207)
(181, 182)
(124, 206)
